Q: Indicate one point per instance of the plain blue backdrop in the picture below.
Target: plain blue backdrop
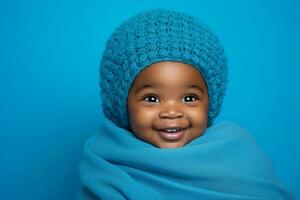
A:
(50, 103)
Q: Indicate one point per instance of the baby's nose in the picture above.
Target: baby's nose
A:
(171, 112)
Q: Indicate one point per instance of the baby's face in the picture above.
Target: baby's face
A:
(168, 104)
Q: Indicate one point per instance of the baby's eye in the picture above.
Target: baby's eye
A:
(151, 98)
(190, 98)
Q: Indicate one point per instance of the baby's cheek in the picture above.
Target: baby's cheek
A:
(143, 118)
(198, 116)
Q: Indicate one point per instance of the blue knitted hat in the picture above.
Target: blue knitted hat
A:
(151, 37)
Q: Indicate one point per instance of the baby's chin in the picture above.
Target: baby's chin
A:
(169, 145)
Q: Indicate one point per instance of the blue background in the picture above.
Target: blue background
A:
(50, 53)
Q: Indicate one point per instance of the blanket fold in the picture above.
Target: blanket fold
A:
(224, 163)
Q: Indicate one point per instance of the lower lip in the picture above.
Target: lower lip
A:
(172, 136)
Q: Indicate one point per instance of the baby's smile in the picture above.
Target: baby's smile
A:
(168, 104)
(172, 133)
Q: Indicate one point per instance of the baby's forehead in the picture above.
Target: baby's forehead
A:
(168, 71)
(169, 75)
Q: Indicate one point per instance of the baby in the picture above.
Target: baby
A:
(170, 72)
(163, 77)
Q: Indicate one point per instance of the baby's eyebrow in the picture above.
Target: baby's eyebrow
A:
(196, 87)
(144, 86)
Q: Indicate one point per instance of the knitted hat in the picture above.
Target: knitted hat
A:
(154, 36)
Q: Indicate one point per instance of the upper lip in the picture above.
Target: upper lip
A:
(173, 127)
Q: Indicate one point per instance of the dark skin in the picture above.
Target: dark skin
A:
(168, 94)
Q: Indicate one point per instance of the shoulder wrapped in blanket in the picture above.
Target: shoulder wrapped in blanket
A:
(224, 163)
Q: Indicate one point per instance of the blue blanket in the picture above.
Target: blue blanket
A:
(224, 163)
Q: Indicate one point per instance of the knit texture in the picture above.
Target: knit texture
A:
(154, 36)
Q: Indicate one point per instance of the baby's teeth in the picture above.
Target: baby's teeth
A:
(172, 130)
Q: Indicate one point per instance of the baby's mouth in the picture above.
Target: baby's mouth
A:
(172, 133)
